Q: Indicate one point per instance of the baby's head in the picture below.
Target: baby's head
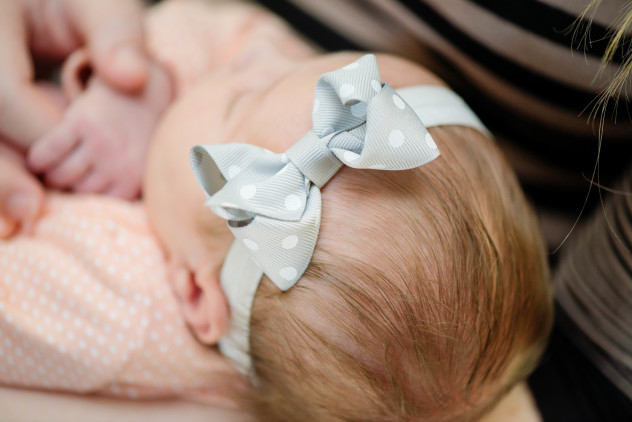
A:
(427, 294)
(426, 298)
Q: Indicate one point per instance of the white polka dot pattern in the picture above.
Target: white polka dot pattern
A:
(346, 90)
(251, 244)
(233, 171)
(358, 121)
(85, 307)
(292, 202)
(288, 273)
(248, 191)
(290, 242)
(399, 103)
(396, 138)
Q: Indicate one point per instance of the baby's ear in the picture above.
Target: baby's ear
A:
(204, 305)
(75, 73)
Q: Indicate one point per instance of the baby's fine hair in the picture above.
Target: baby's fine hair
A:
(427, 298)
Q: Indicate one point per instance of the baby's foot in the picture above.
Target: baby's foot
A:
(101, 143)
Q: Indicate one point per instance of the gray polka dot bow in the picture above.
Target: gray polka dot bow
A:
(272, 201)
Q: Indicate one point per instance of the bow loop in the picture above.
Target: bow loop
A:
(393, 137)
(257, 181)
(341, 96)
(272, 201)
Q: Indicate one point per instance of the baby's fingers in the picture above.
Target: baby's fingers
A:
(70, 170)
(52, 148)
(21, 195)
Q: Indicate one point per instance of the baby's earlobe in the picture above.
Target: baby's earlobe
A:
(204, 306)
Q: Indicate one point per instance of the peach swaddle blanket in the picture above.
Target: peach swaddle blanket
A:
(85, 307)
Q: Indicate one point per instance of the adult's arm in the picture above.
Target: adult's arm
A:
(52, 29)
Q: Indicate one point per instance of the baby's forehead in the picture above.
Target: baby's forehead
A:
(270, 104)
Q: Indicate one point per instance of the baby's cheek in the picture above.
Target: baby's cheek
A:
(179, 278)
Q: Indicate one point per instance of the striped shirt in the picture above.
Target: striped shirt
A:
(529, 76)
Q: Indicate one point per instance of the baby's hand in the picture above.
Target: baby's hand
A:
(101, 143)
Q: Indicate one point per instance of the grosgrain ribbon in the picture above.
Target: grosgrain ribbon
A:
(272, 201)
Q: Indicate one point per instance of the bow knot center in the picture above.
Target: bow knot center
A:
(313, 159)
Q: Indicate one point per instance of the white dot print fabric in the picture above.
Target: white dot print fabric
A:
(272, 201)
(85, 307)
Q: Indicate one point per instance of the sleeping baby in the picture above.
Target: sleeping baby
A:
(341, 226)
